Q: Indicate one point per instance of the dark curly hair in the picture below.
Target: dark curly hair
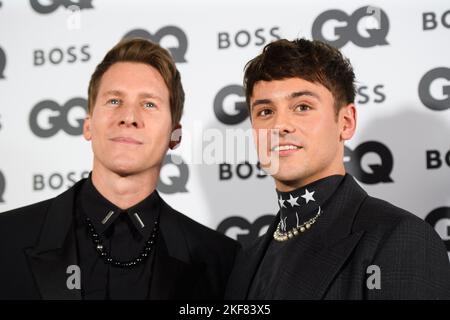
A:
(314, 61)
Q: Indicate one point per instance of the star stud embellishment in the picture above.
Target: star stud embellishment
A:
(308, 196)
(293, 201)
(281, 202)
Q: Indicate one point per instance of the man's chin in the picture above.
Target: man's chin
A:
(125, 172)
(288, 177)
(125, 169)
(130, 169)
(280, 170)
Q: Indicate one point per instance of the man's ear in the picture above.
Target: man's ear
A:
(175, 137)
(347, 118)
(87, 128)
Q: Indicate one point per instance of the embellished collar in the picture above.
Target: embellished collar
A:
(300, 207)
(103, 213)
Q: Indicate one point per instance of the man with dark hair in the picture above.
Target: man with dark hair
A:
(111, 236)
(329, 240)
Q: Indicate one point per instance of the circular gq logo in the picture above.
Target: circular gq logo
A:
(425, 89)
(242, 230)
(45, 7)
(239, 110)
(178, 53)
(349, 32)
(436, 216)
(58, 117)
(377, 173)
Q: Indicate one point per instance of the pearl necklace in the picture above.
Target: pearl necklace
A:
(122, 264)
(286, 235)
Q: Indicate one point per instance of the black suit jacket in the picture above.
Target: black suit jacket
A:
(357, 231)
(37, 244)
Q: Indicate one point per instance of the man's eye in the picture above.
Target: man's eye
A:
(149, 105)
(303, 107)
(264, 112)
(114, 101)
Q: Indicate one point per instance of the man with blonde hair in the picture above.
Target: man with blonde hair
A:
(112, 230)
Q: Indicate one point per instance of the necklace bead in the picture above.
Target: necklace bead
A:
(122, 264)
(279, 235)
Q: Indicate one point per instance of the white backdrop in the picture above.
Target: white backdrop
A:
(400, 52)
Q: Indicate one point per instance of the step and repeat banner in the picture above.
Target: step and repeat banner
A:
(400, 51)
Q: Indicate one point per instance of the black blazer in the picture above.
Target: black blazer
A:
(356, 231)
(37, 244)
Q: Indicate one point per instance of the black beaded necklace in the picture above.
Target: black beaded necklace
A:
(100, 248)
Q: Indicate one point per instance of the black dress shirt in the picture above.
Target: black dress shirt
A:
(123, 233)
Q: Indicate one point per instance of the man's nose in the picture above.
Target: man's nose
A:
(282, 125)
(130, 116)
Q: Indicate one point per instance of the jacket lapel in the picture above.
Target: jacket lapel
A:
(174, 275)
(56, 249)
(172, 278)
(247, 264)
(309, 276)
